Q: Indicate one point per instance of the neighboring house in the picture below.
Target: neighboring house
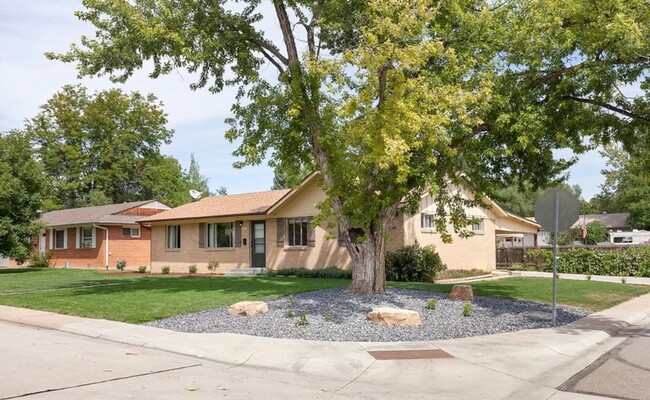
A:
(273, 230)
(616, 222)
(96, 237)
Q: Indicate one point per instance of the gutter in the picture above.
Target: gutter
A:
(105, 230)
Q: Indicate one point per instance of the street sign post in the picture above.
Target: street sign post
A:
(556, 211)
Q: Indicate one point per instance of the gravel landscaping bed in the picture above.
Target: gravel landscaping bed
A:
(347, 317)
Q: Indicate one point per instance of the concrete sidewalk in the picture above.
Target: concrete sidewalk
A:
(526, 364)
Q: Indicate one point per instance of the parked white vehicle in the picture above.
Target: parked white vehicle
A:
(634, 237)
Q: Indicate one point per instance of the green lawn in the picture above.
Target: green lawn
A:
(139, 298)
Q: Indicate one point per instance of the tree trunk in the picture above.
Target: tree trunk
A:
(368, 269)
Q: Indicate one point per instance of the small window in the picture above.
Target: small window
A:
(131, 232)
(428, 221)
(297, 231)
(477, 227)
(59, 239)
(86, 238)
(221, 235)
(173, 236)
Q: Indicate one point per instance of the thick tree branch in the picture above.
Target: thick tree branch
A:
(268, 47)
(609, 107)
(311, 42)
(457, 142)
(287, 32)
(272, 60)
(563, 71)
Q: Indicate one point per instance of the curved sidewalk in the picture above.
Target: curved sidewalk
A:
(526, 364)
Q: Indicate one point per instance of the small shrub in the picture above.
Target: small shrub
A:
(40, 259)
(467, 309)
(623, 280)
(142, 269)
(432, 304)
(290, 314)
(165, 269)
(192, 268)
(121, 264)
(302, 320)
(414, 263)
(291, 302)
(213, 265)
(329, 315)
(588, 277)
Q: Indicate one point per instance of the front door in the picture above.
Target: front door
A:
(258, 244)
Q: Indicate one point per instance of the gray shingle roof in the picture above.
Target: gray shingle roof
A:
(90, 215)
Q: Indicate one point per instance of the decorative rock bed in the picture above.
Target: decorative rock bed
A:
(335, 315)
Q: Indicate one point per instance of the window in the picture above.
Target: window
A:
(86, 238)
(59, 239)
(477, 227)
(220, 235)
(297, 231)
(173, 236)
(427, 221)
(131, 232)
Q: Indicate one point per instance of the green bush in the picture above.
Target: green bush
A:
(329, 273)
(165, 269)
(467, 309)
(40, 259)
(121, 264)
(213, 265)
(432, 304)
(414, 264)
(192, 268)
(626, 261)
(142, 269)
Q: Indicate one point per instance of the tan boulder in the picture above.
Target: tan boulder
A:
(461, 292)
(248, 308)
(394, 316)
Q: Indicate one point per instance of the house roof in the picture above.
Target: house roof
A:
(217, 206)
(93, 215)
(610, 221)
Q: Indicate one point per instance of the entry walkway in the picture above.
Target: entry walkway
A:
(518, 365)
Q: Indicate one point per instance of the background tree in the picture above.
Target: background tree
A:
(520, 197)
(195, 180)
(627, 183)
(393, 98)
(222, 191)
(104, 144)
(22, 186)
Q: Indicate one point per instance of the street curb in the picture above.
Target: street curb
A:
(339, 360)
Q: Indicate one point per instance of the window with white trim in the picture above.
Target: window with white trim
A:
(131, 232)
(86, 237)
(59, 239)
(477, 227)
(173, 236)
(220, 235)
(427, 221)
(297, 231)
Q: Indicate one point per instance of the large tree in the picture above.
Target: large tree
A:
(101, 147)
(391, 98)
(627, 183)
(22, 186)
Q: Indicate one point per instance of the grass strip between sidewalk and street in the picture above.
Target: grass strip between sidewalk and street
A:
(138, 298)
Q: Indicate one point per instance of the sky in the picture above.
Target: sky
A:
(30, 28)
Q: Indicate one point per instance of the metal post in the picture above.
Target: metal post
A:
(555, 225)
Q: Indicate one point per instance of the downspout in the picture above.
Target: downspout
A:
(106, 230)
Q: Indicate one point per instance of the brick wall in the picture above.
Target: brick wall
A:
(136, 251)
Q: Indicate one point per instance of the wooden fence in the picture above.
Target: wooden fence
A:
(507, 256)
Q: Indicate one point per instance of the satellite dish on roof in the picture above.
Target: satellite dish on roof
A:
(195, 194)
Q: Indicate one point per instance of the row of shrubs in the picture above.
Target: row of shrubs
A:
(329, 273)
(626, 261)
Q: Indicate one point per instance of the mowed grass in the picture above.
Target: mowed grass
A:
(138, 298)
(589, 295)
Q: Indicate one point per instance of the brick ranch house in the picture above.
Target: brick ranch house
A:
(96, 237)
(273, 230)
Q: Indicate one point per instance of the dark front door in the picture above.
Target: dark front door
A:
(258, 244)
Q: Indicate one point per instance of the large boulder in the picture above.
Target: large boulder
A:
(461, 292)
(248, 308)
(394, 316)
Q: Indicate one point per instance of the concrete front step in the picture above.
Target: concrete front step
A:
(246, 272)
